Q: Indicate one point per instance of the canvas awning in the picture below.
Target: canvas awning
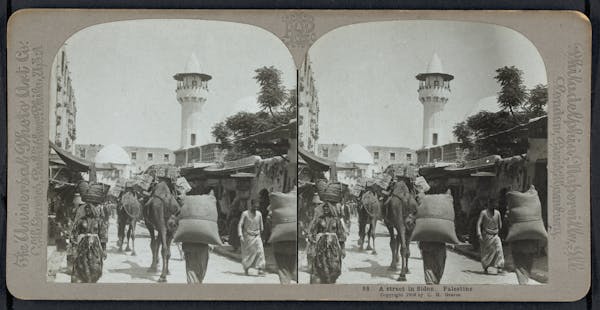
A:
(76, 163)
(315, 161)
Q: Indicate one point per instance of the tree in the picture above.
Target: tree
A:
(512, 92)
(538, 98)
(272, 94)
(481, 133)
(278, 107)
(222, 133)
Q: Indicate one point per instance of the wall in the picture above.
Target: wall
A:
(62, 104)
(308, 109)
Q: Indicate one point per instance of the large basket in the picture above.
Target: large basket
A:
(96, 193)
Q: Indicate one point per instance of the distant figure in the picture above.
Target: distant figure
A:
(434, 260)
(238, 206)
(250, 229)
(196, 261)
(488, 227)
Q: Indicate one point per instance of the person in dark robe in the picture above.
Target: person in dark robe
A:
(434, 260)
(523, 253)
(89, 255)
(328, 237)
(196, 261)
(286, 258)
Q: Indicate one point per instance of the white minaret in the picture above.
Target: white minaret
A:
(192, 88)
(434, 90)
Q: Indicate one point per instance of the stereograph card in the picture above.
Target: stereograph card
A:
(298, 155)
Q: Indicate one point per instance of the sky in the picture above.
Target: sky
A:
(365, 76)
(122, 76)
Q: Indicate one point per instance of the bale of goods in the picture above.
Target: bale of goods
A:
(284, 216)
(183, 185)
(142, 181)
(525, 216)
(435, 220)
(422, 184)
(198, 220)
(96, 193)
(332, 192)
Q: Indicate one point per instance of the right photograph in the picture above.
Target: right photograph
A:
(422, 156)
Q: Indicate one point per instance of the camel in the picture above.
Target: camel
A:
(368, 214)
(160, 214)
(401, 208)
(128, 213)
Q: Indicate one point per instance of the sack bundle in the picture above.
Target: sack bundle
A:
(96, 193)
(435, 219)
(284, 216)
(525, 216)
(198, 220)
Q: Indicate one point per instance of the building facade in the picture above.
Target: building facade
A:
(141, 157)
(383, 156)
(63, 109)
(308, 109)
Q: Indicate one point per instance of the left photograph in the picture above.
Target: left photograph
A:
(173, 155)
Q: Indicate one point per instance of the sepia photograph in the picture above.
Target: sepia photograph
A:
(423, 156)
(172, 155)
(267, 155)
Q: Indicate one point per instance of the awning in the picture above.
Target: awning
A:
(315, 161)
(75, 163)
(282, 132)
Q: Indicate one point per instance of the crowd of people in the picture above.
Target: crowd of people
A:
(327, 234)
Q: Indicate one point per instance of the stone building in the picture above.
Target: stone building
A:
(62, 104)
(383, 156)
(140, 157)
(308, 109)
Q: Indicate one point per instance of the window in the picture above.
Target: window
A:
(408, 157)
(150, 156)
(375, 155)
(325, 152)
(392, 156)
(436, 83)
(193, 139)
(133, 155)
(194, 83)
(82, 153)
(166, 157)
(434, 139)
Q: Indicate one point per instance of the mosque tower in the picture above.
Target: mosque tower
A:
(192, 89)
(434, 90)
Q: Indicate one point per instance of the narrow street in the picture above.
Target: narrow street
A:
(122, 267)
(363, 267)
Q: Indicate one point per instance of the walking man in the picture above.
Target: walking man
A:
(488, 227)
(250, 229)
